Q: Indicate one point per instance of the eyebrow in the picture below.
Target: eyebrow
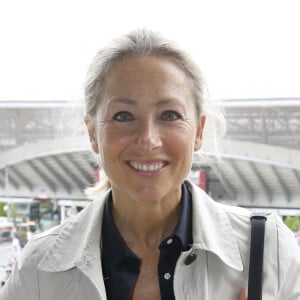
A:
(167, 101)
(124, 101)
(134, 102)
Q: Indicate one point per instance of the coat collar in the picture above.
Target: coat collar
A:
(78, 245)
(78, 242)
(212, 230)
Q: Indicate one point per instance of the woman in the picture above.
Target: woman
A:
(153, 234)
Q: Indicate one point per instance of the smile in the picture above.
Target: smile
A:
(147, 167)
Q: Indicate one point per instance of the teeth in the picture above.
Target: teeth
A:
(147, 167)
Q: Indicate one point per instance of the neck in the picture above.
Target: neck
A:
(145, 223)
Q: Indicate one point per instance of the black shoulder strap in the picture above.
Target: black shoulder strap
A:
(256, 256)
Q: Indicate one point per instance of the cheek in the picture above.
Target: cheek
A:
(110, 140)
(181, 136)
(185, 130)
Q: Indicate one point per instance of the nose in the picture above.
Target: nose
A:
(149, 135)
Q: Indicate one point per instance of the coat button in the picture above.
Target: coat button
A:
(190, 259)
(169, 241)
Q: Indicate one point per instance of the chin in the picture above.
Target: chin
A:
(151, 194)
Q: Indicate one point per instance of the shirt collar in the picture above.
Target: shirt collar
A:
(114, 247)
(183, 229)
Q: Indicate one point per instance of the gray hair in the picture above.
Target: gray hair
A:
(135, 43)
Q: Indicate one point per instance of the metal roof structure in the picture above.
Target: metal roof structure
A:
(45, 150)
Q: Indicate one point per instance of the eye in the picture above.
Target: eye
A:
(123, 116)
(171, 115)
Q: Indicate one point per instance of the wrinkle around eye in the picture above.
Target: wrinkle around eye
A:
(175, 115)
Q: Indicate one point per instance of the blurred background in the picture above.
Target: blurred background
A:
(248, 52)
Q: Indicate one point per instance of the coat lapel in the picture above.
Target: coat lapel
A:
(212, 230)
(78, 245)
(78, 242)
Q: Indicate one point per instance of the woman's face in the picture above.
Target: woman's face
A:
(146, 128)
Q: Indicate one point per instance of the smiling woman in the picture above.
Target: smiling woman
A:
(152, 234)
(146, 119)
(183, 90)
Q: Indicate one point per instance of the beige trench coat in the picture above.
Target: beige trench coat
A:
(64, 263)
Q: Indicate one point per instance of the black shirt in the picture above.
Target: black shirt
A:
(121, 266)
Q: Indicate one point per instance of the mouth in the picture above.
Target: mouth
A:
(147, 167)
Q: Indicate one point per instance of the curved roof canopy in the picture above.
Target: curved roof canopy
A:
(44, 149)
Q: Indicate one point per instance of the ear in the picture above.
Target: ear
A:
(199, 133)
(91, 131)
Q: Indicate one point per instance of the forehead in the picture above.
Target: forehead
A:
(147, 64)
(139, 76)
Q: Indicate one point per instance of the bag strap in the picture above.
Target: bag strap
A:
(256, 256)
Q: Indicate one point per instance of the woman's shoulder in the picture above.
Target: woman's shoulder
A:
(38, 246)
(202, 200)
(276, 232)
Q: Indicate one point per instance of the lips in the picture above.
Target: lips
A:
(147, 166)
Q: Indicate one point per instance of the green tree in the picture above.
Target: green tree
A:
(2, 211)
(293, 223)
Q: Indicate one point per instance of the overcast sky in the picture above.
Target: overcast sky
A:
(245, 48)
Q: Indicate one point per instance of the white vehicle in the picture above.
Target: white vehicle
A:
(6, 232)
